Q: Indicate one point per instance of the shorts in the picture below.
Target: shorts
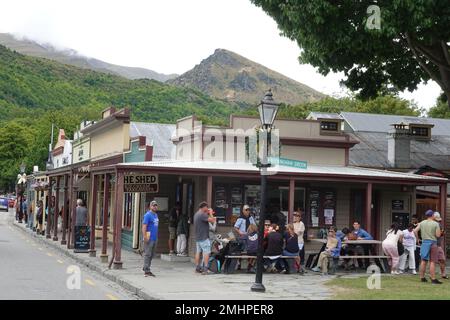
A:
(439, 252)
(204, 246)
(426, 250)
(172, 233)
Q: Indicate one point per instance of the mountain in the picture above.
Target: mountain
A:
(32, 84)
(229, 76)
(71, 57)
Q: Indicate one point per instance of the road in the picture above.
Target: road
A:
(30, 270)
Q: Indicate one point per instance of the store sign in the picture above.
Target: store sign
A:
(82, 238)
(141, 183)
(397, 205)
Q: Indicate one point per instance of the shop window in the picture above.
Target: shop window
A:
(128, 210)
(420, 132)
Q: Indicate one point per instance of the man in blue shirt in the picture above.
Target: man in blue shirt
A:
(150, 235)
(361, 234)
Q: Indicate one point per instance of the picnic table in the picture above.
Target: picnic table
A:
(369, 253)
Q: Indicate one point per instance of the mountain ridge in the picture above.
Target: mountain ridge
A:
(72, 57)
(229, 76)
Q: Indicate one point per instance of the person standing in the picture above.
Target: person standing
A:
(430, 232)
(49, 212)
(242, 224)
(39, 216)
(409, 242)
(390, 247)
(173, 223)
(150, 236)
(299, 228)
(415, 222)
(440, 251)
(203, 245)
(182, 234)
(81, 214)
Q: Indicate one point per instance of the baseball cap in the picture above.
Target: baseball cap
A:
(437, 216)
(153, 203)
(246, 206)
(267, 222)
(429, 213)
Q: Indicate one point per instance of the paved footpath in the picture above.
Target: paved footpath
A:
(178, 281)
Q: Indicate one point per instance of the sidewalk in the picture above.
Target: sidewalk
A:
(178, 281)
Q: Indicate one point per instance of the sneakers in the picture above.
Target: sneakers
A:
(171, 253)
(444, 277)
(423, 280)
(316, 269)
(414, 272)
(395, 272)
(149, 274)
(401, 271)
(198, 270)
(435, 281)
(182, 255)
(206, 272)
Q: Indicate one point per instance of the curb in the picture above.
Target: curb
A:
(105, 272)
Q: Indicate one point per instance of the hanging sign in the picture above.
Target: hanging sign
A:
(141, 183)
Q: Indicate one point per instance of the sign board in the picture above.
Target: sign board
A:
(398, 205)
(288, 162)
(82, 238)
(141, 183)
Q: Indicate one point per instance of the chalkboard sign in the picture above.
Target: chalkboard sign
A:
(397, 205)
(82, 238)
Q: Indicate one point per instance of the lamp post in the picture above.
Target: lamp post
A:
(268, 109)
(22, 180)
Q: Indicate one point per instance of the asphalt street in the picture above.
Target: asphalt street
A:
(30, 270)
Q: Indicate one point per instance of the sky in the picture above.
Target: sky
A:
(171, 36)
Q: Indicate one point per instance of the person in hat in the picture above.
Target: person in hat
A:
(430, 232)
(440, 251)
(150, 232)
(242, 224)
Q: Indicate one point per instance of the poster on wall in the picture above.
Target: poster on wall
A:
(314, 197)
(236, 196)
(221, 197)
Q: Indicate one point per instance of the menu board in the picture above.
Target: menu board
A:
(314, 199)
(82, 239)
(220, 204)
(329, 204)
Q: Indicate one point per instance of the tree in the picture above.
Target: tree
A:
(411, 44)
(440, 110)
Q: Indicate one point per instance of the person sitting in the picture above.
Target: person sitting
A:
(252, 246)
(332, 250)
(274, 247)
(361, 234)
(291, 246)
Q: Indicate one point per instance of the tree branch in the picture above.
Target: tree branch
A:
(421, 63)
(445, 49)
(430, 56)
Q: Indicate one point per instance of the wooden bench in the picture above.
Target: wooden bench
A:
(231, 269)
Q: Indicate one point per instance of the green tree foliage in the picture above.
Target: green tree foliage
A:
(410, 46)
(379, 105)
(440, 110)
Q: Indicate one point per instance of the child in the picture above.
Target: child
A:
(409, 242)
(252, 246)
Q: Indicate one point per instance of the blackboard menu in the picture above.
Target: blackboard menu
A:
(398, 205)
(82, 238)
(314, 198)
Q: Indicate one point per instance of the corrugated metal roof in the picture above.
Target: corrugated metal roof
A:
(325, 115)
(311, 169)
(372, 151)
(158, 135)
(382, 122)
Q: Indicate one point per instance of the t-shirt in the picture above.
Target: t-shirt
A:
(428, 229)
(173, 218)
(299, 229)
(409, 239)
(274, 244)
(241, 224)
(332, 243)
(81, 219)
(152, 222)
(252, 242)
(392, 237)
(291, 242)
(201, 226)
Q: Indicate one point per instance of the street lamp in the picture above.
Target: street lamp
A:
(21, 181)
(268, 109)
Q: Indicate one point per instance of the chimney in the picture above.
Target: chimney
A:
(399, 146)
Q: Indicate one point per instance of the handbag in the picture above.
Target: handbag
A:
(400, 248)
